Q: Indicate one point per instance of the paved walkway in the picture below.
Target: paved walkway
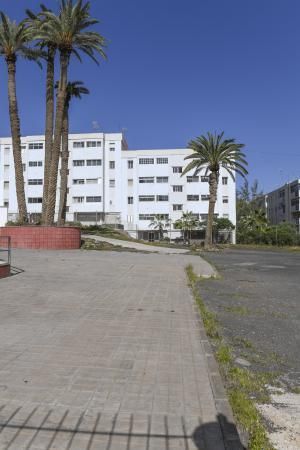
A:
(104, 350)
(138, 245)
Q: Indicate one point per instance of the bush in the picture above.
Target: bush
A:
(279, 235)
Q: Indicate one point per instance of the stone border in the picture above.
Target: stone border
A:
(232, 439)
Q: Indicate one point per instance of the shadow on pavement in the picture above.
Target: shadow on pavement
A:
(50, 429)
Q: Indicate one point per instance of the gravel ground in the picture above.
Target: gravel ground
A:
(257, 303)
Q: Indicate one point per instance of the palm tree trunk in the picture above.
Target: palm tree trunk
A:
(16, 138)
(213, 189)
(60, 107)
(64, 170)
(48, 126)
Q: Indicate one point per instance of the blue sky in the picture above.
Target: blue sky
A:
(177, 69)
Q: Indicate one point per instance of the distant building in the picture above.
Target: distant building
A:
(110, 184)
(283, 204)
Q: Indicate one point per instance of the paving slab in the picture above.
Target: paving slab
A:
(105, 350)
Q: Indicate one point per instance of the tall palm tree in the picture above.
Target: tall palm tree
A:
(14, 42)
(160, 224)
(36, 21)
(75, 89)
(69, 32)
(211, 153)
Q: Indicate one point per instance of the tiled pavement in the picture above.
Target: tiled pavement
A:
(105, 350)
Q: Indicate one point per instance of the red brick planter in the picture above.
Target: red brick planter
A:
(51, 238)
(4, 270)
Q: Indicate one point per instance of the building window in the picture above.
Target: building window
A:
(177, 207)
(162, 179)
(130, 164)
(93, 162)
(92, 181)
(112, 149)
(90, 144)
(225, 199)
(205, 197)
(78, 181)
(112, 164)
(78, 199)
(35, 182)
(146, 161)
(162, 160)
(146, 180)
(130, 200)
(130, 182)
(224, 180)
(6, 184)
(35, 163)
(146, 198)
(78, 162)
(23, 167)
(162, 198)
(151, 216)
(192, 198)
(129, 219)
(177, 169)
(196, 216)
(204, 179)
(36, 146)
(112, 183)
(35, 200)
(192, 179)
(177, 188)
(226, 216)
(78, 144)
(93, 199)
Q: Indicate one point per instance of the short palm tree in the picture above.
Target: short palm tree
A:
(36, 21)
(160, 224)
(75, 89)
(211, 153)
(186, 224)
(69, 32)
(14, 41)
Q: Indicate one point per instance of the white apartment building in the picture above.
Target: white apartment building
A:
(108, 183)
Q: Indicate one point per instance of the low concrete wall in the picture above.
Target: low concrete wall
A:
(51, 238)
(4, 270)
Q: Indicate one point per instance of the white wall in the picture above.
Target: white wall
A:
(114, 200)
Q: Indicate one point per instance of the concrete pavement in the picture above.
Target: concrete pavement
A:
(105, 350)
(137, 245)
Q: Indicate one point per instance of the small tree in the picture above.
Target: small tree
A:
(160, 224)
(186, 224)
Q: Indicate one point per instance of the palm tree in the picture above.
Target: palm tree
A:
(14, 40)
(186, 224)
(36, 22)
(68, 31)
(75, 89)
(211, 153)
(160, 223)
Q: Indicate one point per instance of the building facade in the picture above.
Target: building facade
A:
(283, 204)
(108, 183)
